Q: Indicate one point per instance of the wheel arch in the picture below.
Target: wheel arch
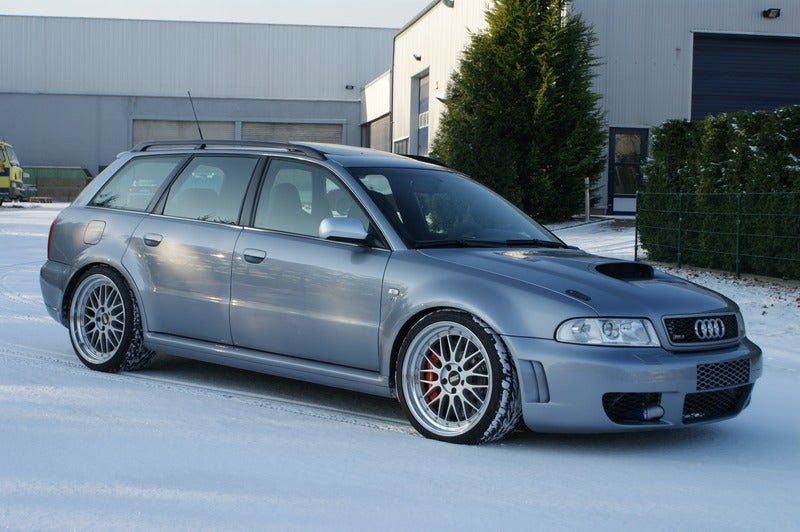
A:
(69, 290)
(474, 405)
(397, 341)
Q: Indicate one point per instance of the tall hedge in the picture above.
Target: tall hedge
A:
(725, 193)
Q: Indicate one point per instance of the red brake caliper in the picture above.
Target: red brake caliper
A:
(428, 384)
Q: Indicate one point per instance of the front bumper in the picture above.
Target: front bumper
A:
(580, 388)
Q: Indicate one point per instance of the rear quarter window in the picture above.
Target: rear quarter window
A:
(133, 187)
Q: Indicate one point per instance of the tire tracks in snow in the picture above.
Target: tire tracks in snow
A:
(38, 358)
(17, 303)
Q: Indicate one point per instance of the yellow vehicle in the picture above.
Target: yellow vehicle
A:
(10, 174)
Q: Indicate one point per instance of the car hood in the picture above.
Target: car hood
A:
(611, 287)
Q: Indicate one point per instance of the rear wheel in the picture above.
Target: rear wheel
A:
(105, 326)
(456, 382)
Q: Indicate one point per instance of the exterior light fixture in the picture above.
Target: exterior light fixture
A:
(772, 13)
(417, 57)
(449, 3)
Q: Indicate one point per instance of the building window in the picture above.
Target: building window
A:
(401, 146)
(423, 100)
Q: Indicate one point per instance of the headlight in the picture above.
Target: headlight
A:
(608, 331)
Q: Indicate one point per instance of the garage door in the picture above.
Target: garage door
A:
(743, 72)
(289, 132)
(179, 130)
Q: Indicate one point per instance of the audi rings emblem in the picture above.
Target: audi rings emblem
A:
(709, 329)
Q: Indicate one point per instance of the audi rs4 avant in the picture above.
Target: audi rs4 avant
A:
(384, 274)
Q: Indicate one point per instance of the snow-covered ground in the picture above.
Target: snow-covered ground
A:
(189, 446)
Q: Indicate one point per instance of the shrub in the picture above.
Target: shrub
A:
(725, 193)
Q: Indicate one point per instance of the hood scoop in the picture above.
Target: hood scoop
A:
(626, 271)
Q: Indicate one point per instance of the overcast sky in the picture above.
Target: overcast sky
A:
(370, 13)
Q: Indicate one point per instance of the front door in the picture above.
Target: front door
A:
(295, 294)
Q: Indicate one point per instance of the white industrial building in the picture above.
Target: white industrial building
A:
(660, 60)
(77, 91)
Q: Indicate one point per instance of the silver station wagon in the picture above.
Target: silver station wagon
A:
(389, 275)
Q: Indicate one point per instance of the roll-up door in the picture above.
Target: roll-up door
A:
(180, 130)
(744, 72)
(379, 134)
(292, 132)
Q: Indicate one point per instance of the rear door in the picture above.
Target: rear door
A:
(181, 259)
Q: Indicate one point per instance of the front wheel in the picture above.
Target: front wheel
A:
(104, 323)
(455, 380)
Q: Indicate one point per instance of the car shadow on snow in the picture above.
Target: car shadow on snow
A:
(719, 439)
(733, 436)
(232, 380)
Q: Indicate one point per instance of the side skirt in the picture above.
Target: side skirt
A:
(279, 365)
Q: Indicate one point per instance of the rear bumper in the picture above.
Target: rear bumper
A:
(53, 279)
(577, 388)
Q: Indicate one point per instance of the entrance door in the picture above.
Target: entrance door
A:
(627, 151)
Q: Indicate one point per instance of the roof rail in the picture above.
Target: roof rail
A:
(203, 144)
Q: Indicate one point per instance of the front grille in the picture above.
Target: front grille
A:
(629, 408)
(723, 374)
(684, 330)
(708, 406)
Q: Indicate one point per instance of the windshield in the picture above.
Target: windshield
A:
(440, 208)
(12, 156)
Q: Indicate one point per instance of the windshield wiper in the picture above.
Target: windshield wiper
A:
(458, 243)
(536, 243)
(470, 243)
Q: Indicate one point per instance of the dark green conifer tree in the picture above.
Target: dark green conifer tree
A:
(521, 114)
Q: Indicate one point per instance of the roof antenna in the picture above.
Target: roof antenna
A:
(195, 115)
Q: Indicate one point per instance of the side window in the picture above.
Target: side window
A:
(134, 185)
(297, 196)
(211, 188)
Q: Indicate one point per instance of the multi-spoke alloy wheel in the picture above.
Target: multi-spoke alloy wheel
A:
(455, 380)
(104, 324)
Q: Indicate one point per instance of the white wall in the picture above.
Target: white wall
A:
(645, 50)
(376, 98)
(213, 60)
(438, 37)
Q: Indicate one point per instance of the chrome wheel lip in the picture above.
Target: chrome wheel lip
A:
(449, 397)
(97, 319)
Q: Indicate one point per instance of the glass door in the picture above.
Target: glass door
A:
(627, 152)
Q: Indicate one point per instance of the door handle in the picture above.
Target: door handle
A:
(254, 256)
(152, 239)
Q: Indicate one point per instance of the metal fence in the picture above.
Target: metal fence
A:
(753, 233)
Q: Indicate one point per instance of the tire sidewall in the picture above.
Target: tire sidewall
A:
(117, 360)
(477, 432)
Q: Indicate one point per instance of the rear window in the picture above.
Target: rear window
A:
(133, 187)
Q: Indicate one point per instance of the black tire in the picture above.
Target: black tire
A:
(105, 326)
(456, 381)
